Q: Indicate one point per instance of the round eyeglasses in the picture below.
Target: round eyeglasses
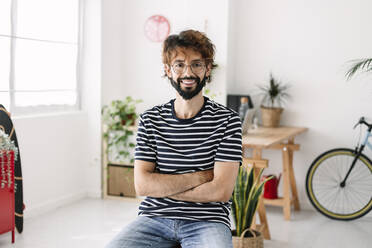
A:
(196, 67)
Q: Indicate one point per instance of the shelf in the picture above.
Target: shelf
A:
(275, 202)
(120, 164)
(123, 198)
(114, 184)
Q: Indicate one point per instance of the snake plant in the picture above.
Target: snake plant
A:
(245, 198)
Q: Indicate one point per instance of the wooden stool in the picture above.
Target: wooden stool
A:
(289, 181)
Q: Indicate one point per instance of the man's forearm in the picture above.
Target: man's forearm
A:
(163, 185)
(218, 190)
(207, 192)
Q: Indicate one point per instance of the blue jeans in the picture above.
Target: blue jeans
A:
(170, 233)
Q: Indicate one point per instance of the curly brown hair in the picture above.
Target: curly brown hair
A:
(193, 39)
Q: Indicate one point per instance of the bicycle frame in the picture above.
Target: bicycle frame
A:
(365, 142)
(361, 148)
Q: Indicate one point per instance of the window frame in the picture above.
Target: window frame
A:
(45, 109)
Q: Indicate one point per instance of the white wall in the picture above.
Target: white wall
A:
(52, 148)
(92, 96)
(61, 152)
(131, 64)
(306, 43)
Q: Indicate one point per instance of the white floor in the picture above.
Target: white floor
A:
(93, 222)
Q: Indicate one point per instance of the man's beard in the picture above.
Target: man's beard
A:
(188, 94)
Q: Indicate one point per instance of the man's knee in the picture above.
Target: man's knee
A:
(208, 235)
(132, 235)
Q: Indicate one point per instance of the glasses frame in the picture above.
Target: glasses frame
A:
(186, 65)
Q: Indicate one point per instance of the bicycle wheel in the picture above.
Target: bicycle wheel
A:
(325, 192)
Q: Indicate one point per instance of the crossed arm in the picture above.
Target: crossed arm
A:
(203, 186)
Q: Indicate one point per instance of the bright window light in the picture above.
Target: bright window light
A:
(48, 19)
(5, 10)
(39, 55)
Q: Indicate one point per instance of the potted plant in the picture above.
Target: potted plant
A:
(245, 199)
(274, 95)
(119, 118)
(359, 65)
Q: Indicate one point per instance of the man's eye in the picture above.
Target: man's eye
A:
(179, 65)
(197, 65)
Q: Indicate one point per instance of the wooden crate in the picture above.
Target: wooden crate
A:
(121, 180)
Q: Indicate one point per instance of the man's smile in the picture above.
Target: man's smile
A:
(188, 82)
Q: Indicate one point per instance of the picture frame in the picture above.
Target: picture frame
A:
(233, 102)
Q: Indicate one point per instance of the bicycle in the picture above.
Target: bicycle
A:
(339, 181)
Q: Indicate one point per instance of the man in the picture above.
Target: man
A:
(187, 157)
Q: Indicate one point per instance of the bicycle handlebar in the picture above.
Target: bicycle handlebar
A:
(362, 120)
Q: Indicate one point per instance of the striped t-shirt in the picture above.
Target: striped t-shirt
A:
(179, 146)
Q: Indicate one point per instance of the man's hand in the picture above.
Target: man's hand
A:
(149, 183)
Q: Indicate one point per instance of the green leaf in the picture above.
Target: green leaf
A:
(245, 198)
(364, 65)
(274, 94)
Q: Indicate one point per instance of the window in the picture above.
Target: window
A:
(39, 55)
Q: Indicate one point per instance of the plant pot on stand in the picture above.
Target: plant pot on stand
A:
(271, 116)
(274, 95)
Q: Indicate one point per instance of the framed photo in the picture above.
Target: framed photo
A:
(233, 102)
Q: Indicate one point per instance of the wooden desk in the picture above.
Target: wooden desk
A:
(274, 138)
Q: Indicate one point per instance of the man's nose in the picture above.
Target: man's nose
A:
(188, 72)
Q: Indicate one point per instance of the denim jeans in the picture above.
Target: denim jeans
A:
(170, 233)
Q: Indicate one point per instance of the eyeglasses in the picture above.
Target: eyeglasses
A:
(196, 67)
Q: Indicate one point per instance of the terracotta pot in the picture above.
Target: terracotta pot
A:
(270, 116)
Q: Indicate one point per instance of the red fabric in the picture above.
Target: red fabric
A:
(7, 210)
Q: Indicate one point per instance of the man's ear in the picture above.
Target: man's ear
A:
(209, 70)
(167, 70)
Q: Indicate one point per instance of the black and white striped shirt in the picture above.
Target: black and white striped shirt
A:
(179, 146)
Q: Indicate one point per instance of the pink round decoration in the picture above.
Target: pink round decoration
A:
(157, 28)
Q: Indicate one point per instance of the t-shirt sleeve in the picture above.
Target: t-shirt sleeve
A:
(230, 147)
(145, 148)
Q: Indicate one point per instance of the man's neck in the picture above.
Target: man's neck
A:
(186, 109)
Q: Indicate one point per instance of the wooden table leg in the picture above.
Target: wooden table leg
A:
(295, 200)
(286, 185)
(257, 154)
